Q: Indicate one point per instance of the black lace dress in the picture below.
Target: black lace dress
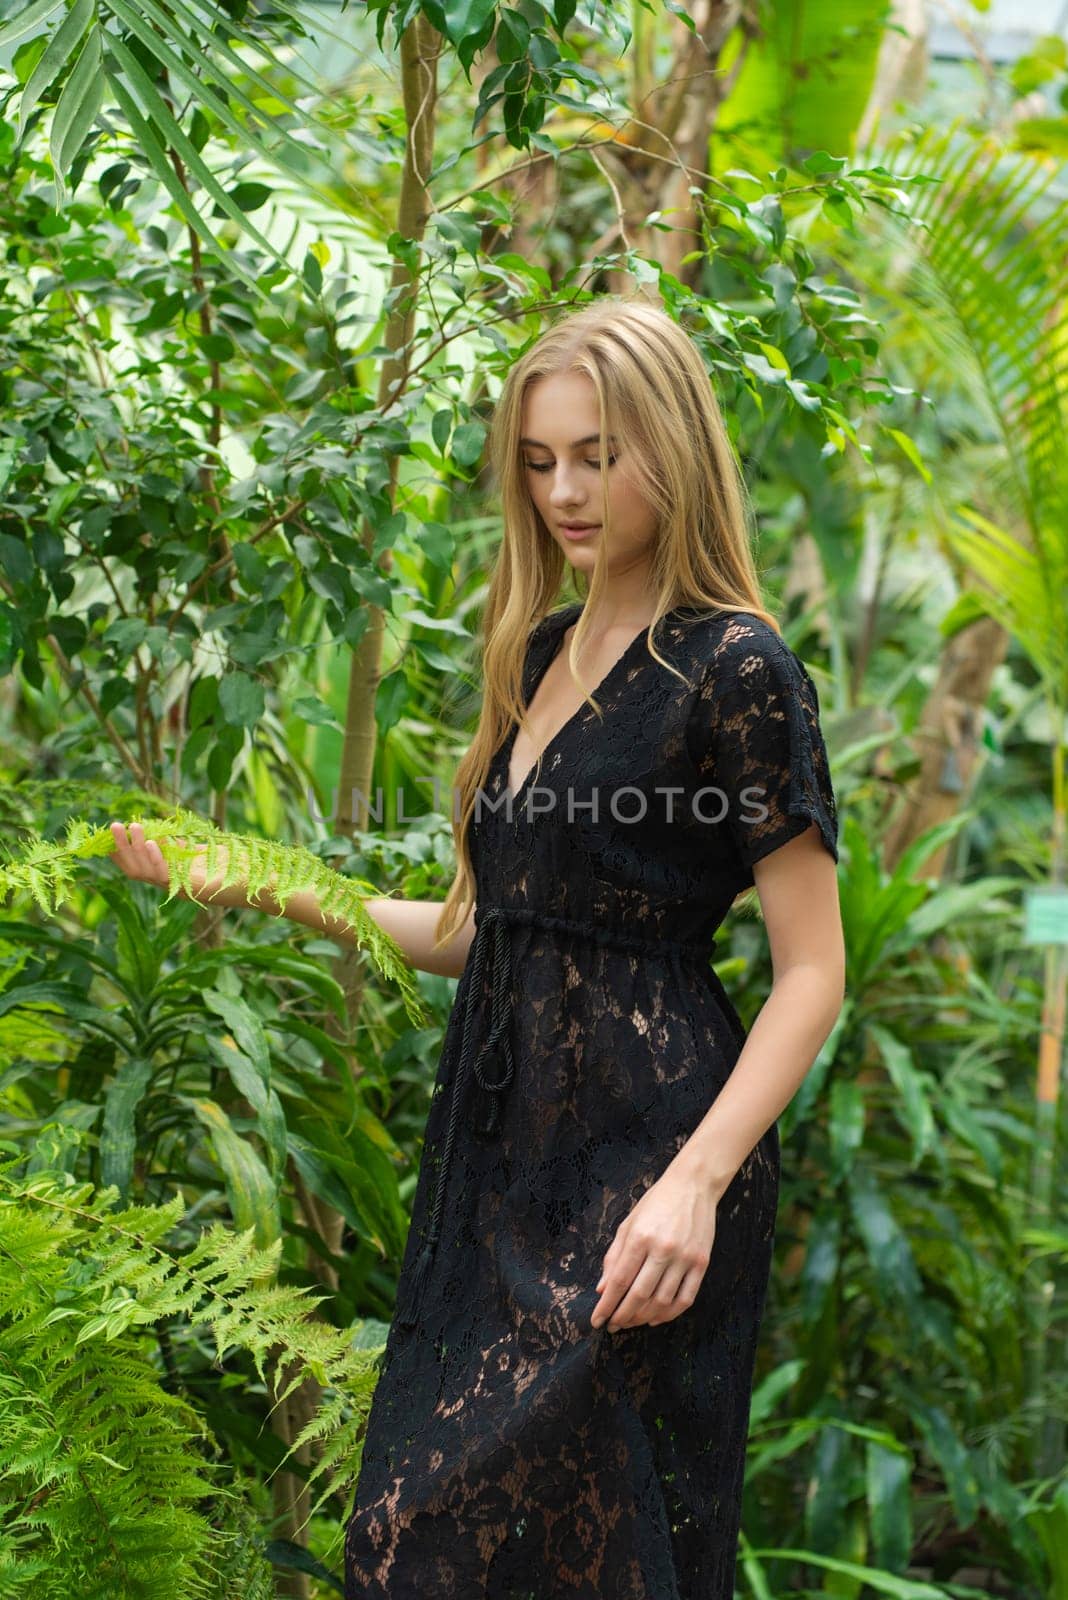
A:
(513, 1451)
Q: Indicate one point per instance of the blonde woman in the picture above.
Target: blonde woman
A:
(563, 1403)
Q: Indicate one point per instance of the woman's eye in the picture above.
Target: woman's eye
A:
(544, 466)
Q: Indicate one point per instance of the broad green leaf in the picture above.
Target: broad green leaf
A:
(241, 700)
(468, 441)
(822, 1262)
(118, 1133)
(889, 1506)
(887, 1246)
(911, 1104)
(846, 1126)
(252, 1194)
(951, 1456)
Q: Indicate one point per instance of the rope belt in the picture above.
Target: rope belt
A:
(492, 943)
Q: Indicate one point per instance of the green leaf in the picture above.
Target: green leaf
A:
(821, 1263)
(888, 1476)
(390, 700)
(163, 170)
(846, 1126)
(250, 196)
(886, 1244)
(820, 161)
(57, 52)
(883, 1582)
(951, 1456)
(222, 757)
(910, 1103)
(909, 447)
(761, 367)
(840, 212)
(241, 700)
(216, 346)
(289, 1556)
(77, 106)
(468, 442)
(174, 134)
(775, 356)
(315, 711)
(249, 1187)
(312, 273)
(16, 559)
(27, 22)
(153, 27)
(203, 702)
(249, 1070)
(459, 19)
(118, 1141)
(126, 634)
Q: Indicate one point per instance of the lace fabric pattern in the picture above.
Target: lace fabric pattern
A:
(513, 1452)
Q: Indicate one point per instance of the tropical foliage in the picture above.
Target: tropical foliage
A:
(263, 272)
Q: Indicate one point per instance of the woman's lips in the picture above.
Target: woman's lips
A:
(578, 533)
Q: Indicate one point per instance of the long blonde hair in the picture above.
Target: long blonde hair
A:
(655, 395)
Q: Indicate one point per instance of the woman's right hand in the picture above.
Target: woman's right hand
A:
(142, 859)
(139, 858)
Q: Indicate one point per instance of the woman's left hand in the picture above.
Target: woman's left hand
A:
(654, 1266)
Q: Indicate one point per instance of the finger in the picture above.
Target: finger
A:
(618, 1283)
(629, 1312)
(615, 1253)
(637, 1302)
(615, 1287)
(665, 1303)
(686, 1293)
(691, 1283)
(123, 852)
(616, 1280)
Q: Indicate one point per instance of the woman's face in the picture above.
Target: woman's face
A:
(558, 451)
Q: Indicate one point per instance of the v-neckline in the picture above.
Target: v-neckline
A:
(556, 644)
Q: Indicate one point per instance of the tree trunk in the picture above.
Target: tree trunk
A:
(420, 47)
(654, 162)
(901, 72)
(948, 738)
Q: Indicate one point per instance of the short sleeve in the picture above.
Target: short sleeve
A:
(754, 735)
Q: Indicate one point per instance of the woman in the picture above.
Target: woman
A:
(564, 1395)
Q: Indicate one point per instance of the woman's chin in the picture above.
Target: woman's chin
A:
(580, 552)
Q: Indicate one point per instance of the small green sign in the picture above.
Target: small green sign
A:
(1046, 916)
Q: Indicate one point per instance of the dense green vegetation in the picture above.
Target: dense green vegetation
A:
(252, 322)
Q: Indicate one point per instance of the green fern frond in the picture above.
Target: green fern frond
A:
(106, 1482)
(23, 804)
(45, 869)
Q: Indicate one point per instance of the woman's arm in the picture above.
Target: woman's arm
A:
(798, 889)
(411, 923)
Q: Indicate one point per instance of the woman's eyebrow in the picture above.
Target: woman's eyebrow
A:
(591, 438)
